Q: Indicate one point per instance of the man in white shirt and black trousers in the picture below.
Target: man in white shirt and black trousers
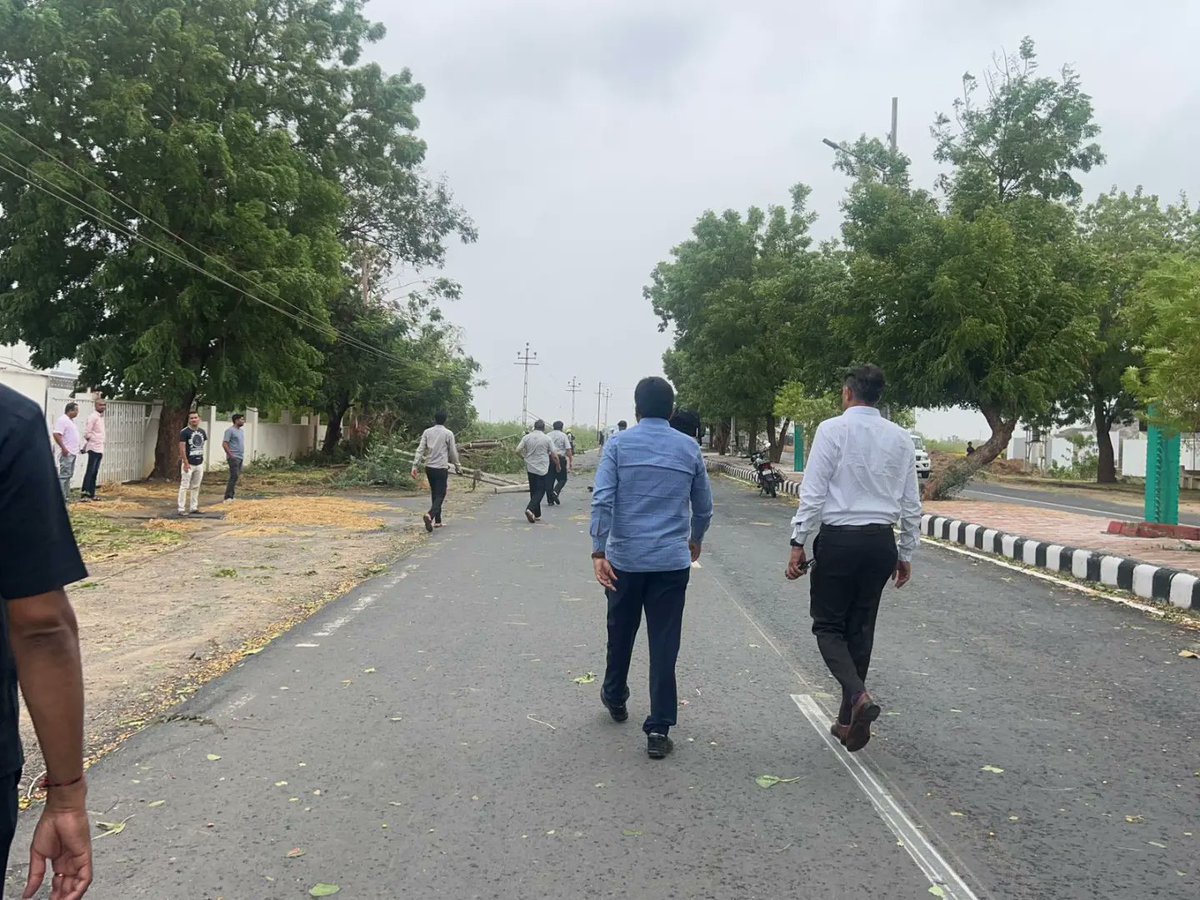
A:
(860, 481)
(438, 450)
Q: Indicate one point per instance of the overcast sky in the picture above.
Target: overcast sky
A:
(585, 138)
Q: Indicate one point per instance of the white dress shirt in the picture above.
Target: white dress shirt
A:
(561, 442)
(861, 470)
(437, 448)
(536, 448)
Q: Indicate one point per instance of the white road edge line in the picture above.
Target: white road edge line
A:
(1033, 573)
(1019, 501)
(907, 832)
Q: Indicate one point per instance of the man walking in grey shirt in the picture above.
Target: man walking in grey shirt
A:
(538, 451)
(438, 450)
(860, 481)
(235, 453)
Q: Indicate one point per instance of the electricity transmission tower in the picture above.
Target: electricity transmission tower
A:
(525, 359)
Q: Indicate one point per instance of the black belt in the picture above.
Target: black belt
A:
(859, 528)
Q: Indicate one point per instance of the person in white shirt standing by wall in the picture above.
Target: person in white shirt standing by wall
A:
(66, 436)
(860, 481)
(93, 445)
(438, 450)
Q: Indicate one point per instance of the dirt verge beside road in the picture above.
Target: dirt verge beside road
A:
(171, 603)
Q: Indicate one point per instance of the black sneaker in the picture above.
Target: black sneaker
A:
(530, 516)
(658, 745)
(428, 522)
(617, 711)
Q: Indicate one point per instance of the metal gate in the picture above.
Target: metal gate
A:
(125, 425)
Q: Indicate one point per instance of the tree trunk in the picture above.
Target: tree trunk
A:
(333, 429)
(944, 484)
(1106, 472)
(171, 421)
(776, 438)
(720, 437)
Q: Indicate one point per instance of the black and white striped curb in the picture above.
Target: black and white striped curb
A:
(747, 474)
(1181, 589)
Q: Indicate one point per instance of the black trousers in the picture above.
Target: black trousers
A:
(537, 491)
(558, 480)
(235, 472)
(661, 595)
(850, 571)
(92, 473)
(438, 480)
(8, 818)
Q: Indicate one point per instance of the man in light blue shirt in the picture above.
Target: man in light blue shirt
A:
(651, 507)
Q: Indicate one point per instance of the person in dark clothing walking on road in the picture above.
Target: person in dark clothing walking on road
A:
(438, 450)
(540, 463)
(39, 648)
(651, 507)
(860, 481)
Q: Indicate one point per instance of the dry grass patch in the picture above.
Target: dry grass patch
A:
(353, 515)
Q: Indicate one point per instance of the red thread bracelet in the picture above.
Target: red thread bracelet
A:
(47, 784)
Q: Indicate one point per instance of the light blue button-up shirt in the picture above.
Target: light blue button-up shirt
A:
(650, 498)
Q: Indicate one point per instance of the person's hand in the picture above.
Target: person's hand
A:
(458, 470)
(605, 574)
(695, 548)
(187, 466)
(902, 574)
(62, 837)
(415, 474)
(797, 564)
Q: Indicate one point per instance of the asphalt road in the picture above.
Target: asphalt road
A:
(424, 737)
(1128, 507)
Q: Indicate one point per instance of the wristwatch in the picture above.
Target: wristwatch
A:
(796, 543)
(599, 554)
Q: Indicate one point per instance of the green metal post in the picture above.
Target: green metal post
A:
(798, 464)
(1162, 476)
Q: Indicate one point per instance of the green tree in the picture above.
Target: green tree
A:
(978, 303)
(806, 408)
(1166, 312)
(1125, 235)
(239, 139)
(739, 295)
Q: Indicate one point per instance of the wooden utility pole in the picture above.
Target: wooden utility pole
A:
(599, 398)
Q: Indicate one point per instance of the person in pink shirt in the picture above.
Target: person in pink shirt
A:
(93, 445)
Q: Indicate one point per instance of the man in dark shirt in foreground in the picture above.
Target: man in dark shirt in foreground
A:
(39, 647)
(651, 507)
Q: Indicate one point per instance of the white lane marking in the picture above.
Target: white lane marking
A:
(1020, 500)
(308, 645)
(997, 561)
(330, 627)
(931, 863)
(238, 703)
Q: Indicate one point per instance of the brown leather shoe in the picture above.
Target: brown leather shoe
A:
(862, 714)
(839, 731)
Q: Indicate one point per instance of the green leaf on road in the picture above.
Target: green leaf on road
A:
(324, 890)
(155, 804)
(370, 671)
(107, 828)
(212, 757)
(937, 891)
(766, 781)
(993, 769)
(629, 832)
(585, 679)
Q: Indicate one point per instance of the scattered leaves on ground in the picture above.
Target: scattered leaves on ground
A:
(936, 890)
(585, 679)
(225, 573)
(212, 757)
(1135, 820)
(995, 770)
(155, 804)
(629, 832)
(107, 828)
(766, 781)
(324, 890)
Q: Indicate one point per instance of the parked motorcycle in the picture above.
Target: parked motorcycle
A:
(768, 477)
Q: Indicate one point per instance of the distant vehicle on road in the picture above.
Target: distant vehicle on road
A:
(924, 464)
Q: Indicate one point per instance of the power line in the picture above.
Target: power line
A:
(110, 222)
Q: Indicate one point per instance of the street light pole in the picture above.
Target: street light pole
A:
(525, 359)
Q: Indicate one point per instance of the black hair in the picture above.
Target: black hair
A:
(866, 383)
(686, 421)
(539, 425)
(71, 407)
(440, 417)
(558, 426)
(237, 416)
(653, 398)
